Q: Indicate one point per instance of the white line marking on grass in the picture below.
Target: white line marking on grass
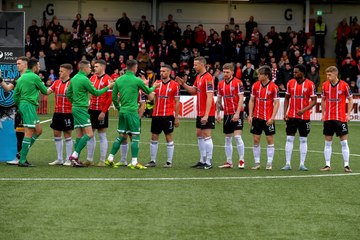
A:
(45, 121)
(180, 179)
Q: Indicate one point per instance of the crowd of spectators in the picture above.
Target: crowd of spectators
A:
(53, 45)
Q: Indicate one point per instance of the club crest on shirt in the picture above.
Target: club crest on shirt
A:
(340, 92)
(232, 88)
(268, 92)
(305, 89)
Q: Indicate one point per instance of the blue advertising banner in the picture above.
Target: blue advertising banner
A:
(12, 32)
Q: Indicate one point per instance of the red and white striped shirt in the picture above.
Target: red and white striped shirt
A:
(335, 100)
(300, 95)
(204, 84)
(165, 96)
(104, 101)
(264, 99)
(231, 91)
(62, 103)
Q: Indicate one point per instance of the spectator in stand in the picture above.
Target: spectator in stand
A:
(29, 45)
(248, 75)
(152, 36)
(123, 25)
(343, 31)
(52, 58)
(142, 59)
(188, 37)
(122, 62)
(313, 75)
(169, 24)
(250, 25)
(349, 49)
(309, 46)
(116, 74)
(287, 73)
(256, 37)
(348, 70)
(106, 31)
(33, 30)
(144, 26)
(161, 32)
(174, 53)
(123, 50)
(64, 54)
(87, 36)
(135, 32)
(215, 49)
(238, 34)
(232, 24)
(91, 23)
(272, 34)
(251, 52)
(314, 62)
(225, 35)
(200, 37)
(78, 24)
(42, 62)
(55, 26)
(163, 51)
(75, 57)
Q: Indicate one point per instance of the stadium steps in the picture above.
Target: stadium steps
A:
(324, 63)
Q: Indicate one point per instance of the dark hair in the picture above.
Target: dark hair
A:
(67, 66)
(23, 58)
(32, 63)
(83, 63)
(266, 70)
(167, 66)
(131, 63)
(300, 67)
(101, 62)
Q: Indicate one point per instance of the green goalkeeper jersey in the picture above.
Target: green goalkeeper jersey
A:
(79, 88)
(27, 88)
(128, 86)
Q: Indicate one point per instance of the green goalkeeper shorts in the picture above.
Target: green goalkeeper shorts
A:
(129, 123)
(81, 117)
(28, 115)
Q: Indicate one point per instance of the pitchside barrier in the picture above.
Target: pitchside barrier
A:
(188, 107)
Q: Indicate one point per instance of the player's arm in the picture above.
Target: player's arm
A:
(69, 93)
(323, 105)
(308, 107)
(91, 89)
(16, 96)
(41, 86)
(240, 104)
(190, 89)
(219, 107)
(6, 86)
(209, 100)
(141, 109)
(151, 96)
(286, 106)
(51, 89)
(115, 93)
(177, 109)
(349, 107)
(275, 110)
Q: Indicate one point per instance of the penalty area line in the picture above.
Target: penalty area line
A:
(181, 179)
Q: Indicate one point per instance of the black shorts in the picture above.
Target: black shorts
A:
(294, 124)
(18, 120)
(230, 126)
(209, 125)
(333, 126)
(259, 125)
(62, 122)
(165, 124)
(95, 123)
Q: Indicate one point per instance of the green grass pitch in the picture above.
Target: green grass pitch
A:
(184, 203)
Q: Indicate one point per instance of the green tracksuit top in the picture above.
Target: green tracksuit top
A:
(128, 86)
(79, 88)
(27, 88)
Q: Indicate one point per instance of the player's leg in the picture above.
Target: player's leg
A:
(59, 145)
(256, 129)
(134, 128)
(304, 130)
(343, 136)
(201, 144)
(91, 145)
(206, 134)
(103, 145)
(156, 129)
(328, 131)
(270, 151)
(170, 149)
(154, 145)
(270, 132)
(228, 131)
(26, 143)
(291, 129)
(238, 126)
(68, 146)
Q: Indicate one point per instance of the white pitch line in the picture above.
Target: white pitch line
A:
(45, 121)
(181, 179)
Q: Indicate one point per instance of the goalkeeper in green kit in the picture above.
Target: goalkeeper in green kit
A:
(78, 94)
(127, 86)
(26, 96)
